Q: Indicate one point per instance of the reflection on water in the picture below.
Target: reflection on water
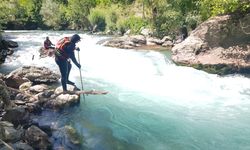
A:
(152, 103)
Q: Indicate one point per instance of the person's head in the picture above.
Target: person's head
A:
(75, 38)
(47, 38)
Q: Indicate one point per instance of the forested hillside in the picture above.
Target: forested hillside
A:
(162, 16)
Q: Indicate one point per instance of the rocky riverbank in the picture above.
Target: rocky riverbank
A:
(219, 45)
(142, 41)
(26, 91)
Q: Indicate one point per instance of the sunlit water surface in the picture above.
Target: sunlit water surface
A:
(152, 103)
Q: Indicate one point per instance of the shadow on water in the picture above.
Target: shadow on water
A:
(90, 136)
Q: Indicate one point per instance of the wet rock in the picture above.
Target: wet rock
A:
(34, 107)
(37, 138)
(8, 133)
(6, 49)
(1, 76)
(59, 90)
(22, 146)
(37, 74)
(48, 93)
(72, 135)
(25, 86)
(11, 44)
(14, 81)
(23, 97)
(47, 129)
(19, 102)
(16, 115)
(4, 94)
(62, 101)
(38, 88)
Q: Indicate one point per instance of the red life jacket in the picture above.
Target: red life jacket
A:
(60, 48)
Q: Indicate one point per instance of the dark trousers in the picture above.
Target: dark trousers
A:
(64, 67)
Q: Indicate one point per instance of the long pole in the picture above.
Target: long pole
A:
(80, 74)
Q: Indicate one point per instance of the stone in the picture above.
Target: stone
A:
(37, 138)
(8, 133)
(37, 74)
(14, 81)
(38, 88)
(25, 86)
(16, 115)
(62, 101)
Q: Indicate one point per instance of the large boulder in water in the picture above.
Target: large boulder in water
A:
(219, 45)
(6, 48)
(37, 74)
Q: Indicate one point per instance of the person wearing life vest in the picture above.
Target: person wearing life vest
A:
(63, 53)
(47, 44)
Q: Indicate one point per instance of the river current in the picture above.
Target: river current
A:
(152, 104)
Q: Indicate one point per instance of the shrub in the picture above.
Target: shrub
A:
(170, 21)
(97, 19)
(133, 23)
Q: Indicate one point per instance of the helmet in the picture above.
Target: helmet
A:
(75, 38)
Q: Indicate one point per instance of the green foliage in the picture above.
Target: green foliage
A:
(77, 12)
(168, 23)
(5, 12)
(103, 2)
(30, 12)
(210, 8)
(164, 16)
(112, 19)
(184, 6)
(53, 14)
(192, 20)
(133, 23)
(98, 20)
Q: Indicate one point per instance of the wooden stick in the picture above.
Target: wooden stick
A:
(7, 145)
(92, 92)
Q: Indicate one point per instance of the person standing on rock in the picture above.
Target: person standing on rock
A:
(64, 52)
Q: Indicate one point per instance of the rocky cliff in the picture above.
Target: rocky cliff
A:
(219, 45)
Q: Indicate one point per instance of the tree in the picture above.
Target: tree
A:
(30, 12)
(53, 14)
(210, 8)
(5, 12)
(77, 12)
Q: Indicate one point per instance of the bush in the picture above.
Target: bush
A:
(168, 23)
(133, 23)
(98, 20)
(193, 20)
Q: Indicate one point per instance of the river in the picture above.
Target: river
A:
(152, 104)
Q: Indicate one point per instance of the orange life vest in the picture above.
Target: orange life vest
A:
(60, 48)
